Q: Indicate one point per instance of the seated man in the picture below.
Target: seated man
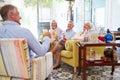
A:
(66, 35)
(11, 29)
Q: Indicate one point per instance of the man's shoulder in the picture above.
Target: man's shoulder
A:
(72, 31)
(24, 29)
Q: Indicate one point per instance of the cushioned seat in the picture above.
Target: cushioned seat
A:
(15, 61)
(70, 55)
(67, 54)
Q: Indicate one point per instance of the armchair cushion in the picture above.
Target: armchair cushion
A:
(69, 45)
(67, 54)
(70, 54)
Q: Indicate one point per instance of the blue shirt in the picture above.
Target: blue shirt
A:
(68, 33)
(11, 29)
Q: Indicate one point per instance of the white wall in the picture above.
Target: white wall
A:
(115, 14)
(60, 13)
(78, 15)
(29, 18)
(5, 1)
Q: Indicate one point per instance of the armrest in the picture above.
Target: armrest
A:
(70, 44)
(42, 66)
(72, 50)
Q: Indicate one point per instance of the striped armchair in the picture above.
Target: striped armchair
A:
(15, 61)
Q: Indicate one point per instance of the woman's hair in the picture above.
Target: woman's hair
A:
(54, 22)
(88, 24)
(4, 10)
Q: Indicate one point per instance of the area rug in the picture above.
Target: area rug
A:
(65, 72)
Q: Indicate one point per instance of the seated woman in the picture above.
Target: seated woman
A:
(82, 35)
(55, 30)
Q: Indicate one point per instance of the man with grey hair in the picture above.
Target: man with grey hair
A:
(60, 45)
(11, 29)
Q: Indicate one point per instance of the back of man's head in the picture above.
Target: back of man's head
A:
(4, 10)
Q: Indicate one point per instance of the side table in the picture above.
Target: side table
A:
(82, 58)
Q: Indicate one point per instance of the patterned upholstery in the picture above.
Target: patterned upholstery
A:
(15, 61)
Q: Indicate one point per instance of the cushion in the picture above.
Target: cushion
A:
(67, 54)
(69, 45)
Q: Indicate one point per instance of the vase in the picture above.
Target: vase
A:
(108, 37)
